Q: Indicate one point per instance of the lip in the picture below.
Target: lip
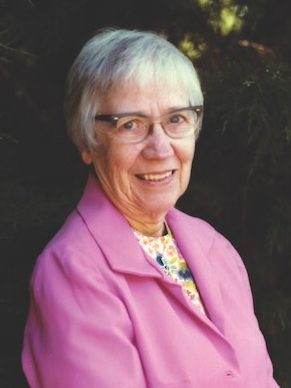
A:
(156, 177)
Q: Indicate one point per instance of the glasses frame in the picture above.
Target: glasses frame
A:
(113, 118)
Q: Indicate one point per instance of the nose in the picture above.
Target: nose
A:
(158, 145)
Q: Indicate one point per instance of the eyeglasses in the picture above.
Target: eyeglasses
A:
(135, 127)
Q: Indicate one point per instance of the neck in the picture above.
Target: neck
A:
(153, 229)
(150, 223)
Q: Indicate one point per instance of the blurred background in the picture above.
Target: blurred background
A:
(241, 180)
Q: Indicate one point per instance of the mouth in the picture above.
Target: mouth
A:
(155, 177)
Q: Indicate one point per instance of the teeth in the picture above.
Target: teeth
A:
(156, 177)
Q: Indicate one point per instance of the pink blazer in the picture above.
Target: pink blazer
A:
(104, 315)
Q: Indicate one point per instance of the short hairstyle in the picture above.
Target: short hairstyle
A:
(112, 58)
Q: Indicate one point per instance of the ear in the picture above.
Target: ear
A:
(86, 157)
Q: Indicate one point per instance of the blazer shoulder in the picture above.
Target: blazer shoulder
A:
(73, 234)
(208, 236)
(220, 251)
(200, 227)
(71, 249)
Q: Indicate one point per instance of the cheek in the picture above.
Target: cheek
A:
(186, 159)
(186, 154)
(103, 162)
(121, 159)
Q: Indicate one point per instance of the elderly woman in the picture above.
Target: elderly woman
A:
(132, 292)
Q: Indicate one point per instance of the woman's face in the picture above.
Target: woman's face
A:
(144, 180)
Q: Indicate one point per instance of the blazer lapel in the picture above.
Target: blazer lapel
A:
(112, 233)
(195, 247)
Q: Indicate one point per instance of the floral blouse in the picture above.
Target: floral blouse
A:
(166, 253)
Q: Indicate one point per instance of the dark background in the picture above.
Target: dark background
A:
(241, 181)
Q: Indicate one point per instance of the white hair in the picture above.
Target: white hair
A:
(112, 58)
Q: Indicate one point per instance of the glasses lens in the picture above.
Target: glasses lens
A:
(131, 128)
(180, 123)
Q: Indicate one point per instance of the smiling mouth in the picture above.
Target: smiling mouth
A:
(155, 177)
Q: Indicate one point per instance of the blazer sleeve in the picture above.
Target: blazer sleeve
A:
(78, 332)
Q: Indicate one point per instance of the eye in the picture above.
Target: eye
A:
(129, 123)
(186, 117)
(177, 118)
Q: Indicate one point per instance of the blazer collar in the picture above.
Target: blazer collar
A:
(112, 232)
(122, 251)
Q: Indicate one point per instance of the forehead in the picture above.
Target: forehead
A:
(149, 99)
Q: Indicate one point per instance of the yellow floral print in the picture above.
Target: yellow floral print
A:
(166, 253)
